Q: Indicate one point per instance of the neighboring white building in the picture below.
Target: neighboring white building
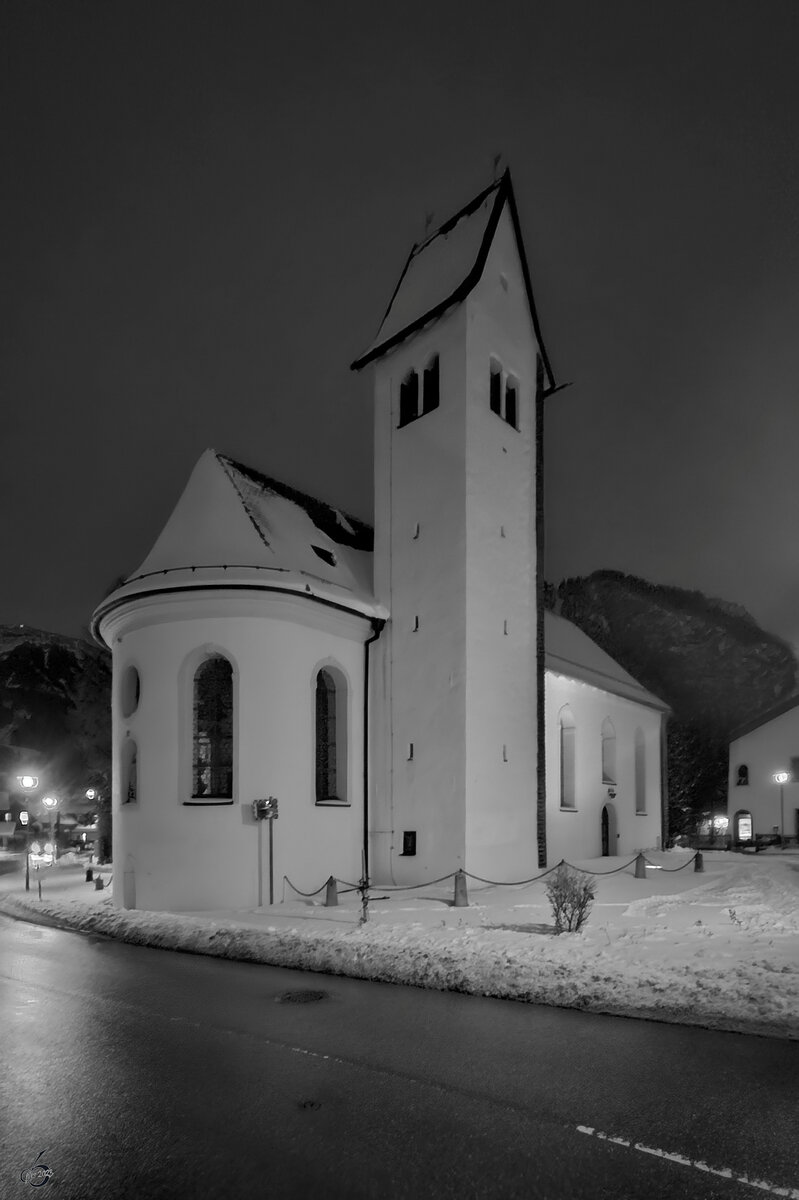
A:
(760, 750)
(392, 697)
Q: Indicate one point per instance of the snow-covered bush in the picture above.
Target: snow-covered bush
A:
(571, 897)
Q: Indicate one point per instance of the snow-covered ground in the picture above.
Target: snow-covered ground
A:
(718, 948)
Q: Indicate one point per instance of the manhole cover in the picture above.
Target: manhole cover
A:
(300, 996)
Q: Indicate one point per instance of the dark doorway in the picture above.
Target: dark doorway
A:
(605, 832)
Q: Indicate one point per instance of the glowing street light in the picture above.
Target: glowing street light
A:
(28, 783)
(51, 803)
(782, 777)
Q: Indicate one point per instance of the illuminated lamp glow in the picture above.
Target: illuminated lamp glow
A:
(28, 781)
(781, 777)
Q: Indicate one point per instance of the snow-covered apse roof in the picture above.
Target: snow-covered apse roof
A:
(233, 526)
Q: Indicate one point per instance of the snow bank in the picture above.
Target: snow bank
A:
(722, 951)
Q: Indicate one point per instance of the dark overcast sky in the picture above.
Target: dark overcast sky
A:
(206, 205)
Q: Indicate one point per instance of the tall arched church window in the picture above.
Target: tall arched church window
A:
(640, 772)
(608, 752)
(742, 776)
(331, 737)
(566, 729)
(409, 398)
(212, 748)
(129, 773)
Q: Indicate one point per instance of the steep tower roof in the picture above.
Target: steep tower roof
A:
(441, 271)
(234, 527)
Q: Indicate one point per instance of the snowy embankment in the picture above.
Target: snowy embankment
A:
(719, 949)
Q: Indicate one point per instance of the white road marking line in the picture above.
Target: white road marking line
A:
(697, 1163)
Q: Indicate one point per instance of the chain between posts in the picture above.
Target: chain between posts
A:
(363, 885)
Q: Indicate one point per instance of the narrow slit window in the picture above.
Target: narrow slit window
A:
(430, 386)
(415, 626)
(410, 751)
(409, 398)
(416, 531)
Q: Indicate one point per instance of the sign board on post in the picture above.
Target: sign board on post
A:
(265, 810)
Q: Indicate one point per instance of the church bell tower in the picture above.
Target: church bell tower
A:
(460, 373)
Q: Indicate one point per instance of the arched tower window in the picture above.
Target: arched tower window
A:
(212, 748)
(331, 737)
(608, 752)
(409, 398)
(640, 772)
(495, 387)
(567, 758)
(512, 401)
(430, 386)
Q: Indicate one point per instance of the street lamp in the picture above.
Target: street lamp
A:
(782, 777)
(28, 783)
(51, 803)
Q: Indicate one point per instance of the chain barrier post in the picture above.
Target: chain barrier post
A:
(461, 899)
(699, 862)
(640, 867)
(331, 895)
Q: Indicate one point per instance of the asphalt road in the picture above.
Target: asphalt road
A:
(145, 1073)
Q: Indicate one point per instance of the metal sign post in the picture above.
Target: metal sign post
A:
(266, 810)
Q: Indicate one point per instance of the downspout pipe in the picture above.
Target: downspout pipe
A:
(377, 628)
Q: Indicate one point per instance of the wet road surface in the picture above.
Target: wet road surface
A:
(147, 1073)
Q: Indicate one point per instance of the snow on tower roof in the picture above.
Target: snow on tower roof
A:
(570, 652)
(442, 271)
(234, 527)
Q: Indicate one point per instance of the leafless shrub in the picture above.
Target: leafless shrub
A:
(571, 897)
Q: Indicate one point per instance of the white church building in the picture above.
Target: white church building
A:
(398, 693)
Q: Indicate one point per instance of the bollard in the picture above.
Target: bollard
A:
(699, 862)
(461, 897)
(331, 895)
(98, 883)
(640, 867)
(89, 874)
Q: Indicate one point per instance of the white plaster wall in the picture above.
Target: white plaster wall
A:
(420, 479)
(501, 570)
(765, 751)
(189, 858)
(577, 833)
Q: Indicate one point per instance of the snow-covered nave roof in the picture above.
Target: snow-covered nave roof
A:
(568, 651)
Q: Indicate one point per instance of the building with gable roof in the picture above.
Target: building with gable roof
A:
(761, 805)
(392, 694)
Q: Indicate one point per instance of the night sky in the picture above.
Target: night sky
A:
(206, 206)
